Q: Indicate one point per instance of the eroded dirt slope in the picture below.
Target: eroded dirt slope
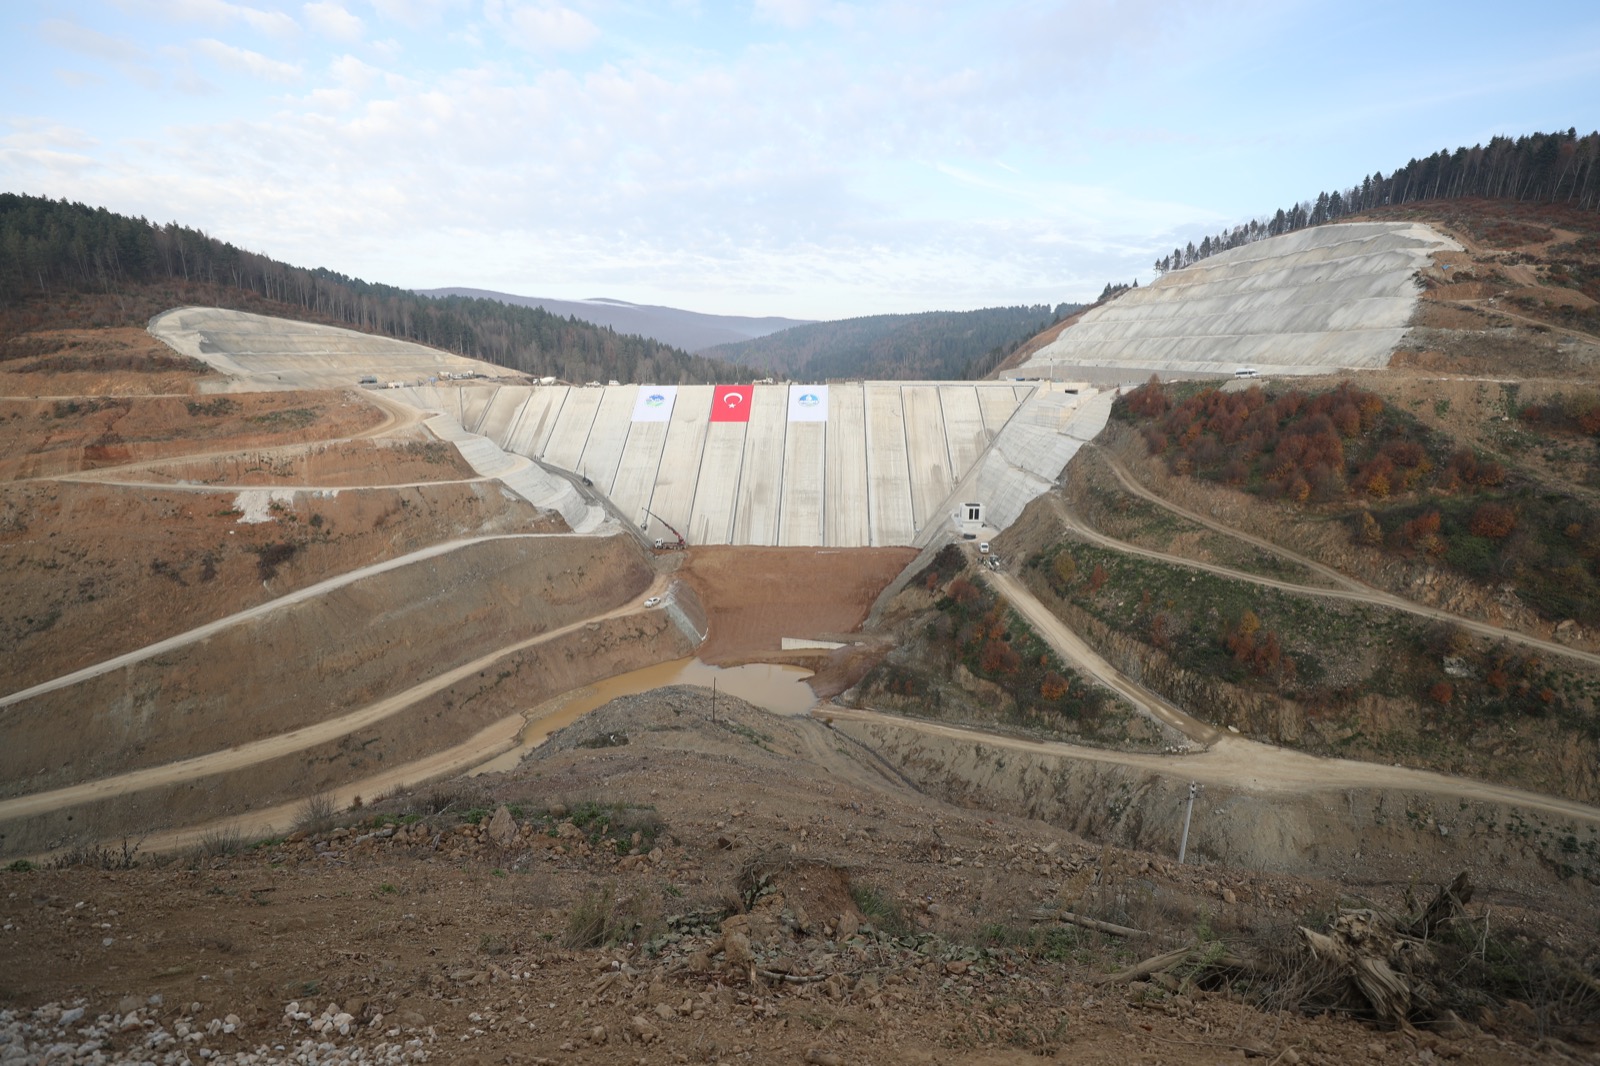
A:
(662, 888)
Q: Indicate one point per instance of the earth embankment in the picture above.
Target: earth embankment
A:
(315, 659)
(386, 736)
(103, 569)
(1358, 835)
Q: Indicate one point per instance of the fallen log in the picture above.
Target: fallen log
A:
(1088, 923)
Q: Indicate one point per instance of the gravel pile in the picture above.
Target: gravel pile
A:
(134, 1033)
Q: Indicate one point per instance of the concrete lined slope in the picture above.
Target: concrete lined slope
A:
(1310, 302)
(1029, 454)
(519, 474)
(255, 350)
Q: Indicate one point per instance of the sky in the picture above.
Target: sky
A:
(805, 158)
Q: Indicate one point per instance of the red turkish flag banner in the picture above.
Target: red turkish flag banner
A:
(731, 403)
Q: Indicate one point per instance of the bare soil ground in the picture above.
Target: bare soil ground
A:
(166, 480)
(405, 458)
(47, 438)
(667, 889)
(754, 597)
(183, 558)
(94, 362)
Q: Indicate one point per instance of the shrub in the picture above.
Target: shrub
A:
(316, 814)
(1493, 521)
(1065, 568)
(601, 918)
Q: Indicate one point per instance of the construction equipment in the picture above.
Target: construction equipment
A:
(662, 545)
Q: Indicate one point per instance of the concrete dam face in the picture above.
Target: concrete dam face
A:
(845, 465)
(856, 464)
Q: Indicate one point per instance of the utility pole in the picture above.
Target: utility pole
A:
(1188, 813)
(713, 701)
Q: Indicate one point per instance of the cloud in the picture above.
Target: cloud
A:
(798, 14)
(227, 55)
(416, 13)
(221, 12)
(45, 152)
(540, 27)
(81, 39)
(332, 20)
(77, 79)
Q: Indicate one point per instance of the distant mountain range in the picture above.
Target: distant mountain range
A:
(930, 345)
(688, 330)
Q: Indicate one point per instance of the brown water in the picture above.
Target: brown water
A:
(779, 689)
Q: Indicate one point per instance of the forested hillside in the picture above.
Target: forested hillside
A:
(930, 345)
(1559, 168)
(68, 264)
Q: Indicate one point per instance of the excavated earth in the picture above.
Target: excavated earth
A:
(757, 596)
(778, 896)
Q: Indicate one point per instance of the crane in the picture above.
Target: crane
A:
(680, 546)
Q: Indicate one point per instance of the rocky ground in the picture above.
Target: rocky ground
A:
(654, 886)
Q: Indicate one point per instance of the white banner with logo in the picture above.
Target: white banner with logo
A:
(808, 403)
(654, 403)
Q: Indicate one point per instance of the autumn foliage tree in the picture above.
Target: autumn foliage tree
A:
(1493, 520)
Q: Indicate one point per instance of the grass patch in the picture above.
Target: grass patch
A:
(881, 909)
(315, 814)
(602, 918)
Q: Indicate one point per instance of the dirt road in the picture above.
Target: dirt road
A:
(1077, 653)
(210, 629)
(258, 751)
(1133, 485)
(1355, 593)
(1245, 764)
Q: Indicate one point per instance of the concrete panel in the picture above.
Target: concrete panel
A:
(963, 427)
(533, 422)
(502, 413)
(845, 509)
(761, 477)
(637, 471)
(1023, 392)
(997, 402)
(679, 473)
(475, 400)
(717, 490)
(804, 473)
(607, 435)
(892, 518)
(927, 454)
(571, 432)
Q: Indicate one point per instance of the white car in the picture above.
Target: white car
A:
(983, 549)
(652, 601)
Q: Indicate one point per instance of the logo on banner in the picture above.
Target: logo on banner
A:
(653, 403)
(731, 403)
(808, 403)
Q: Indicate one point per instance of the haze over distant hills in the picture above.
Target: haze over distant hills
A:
(930, 344)
(689, 330)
